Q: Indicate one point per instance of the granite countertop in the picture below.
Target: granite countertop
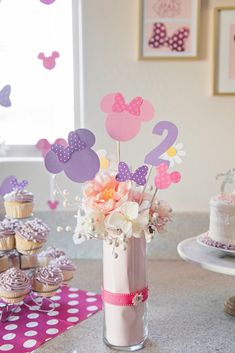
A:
(185, 312)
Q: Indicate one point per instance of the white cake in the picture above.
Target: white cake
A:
(222, 219)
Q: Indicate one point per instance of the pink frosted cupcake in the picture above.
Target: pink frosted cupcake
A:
(7, 234)
(31, 236)
(46, 280)
(14, 285)
(66, 266)
(49, 254)
(19, 202)
(4, 262)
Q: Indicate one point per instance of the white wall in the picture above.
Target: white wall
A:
(180, 91)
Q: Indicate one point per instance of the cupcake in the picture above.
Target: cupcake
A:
(66, 266)
(31, 236)
(49, 254)
(14, 285)
(19, 202)
(46, 280)
(4, 262)
(7, 234)
(14, 258)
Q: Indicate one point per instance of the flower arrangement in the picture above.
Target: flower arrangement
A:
(120, 207)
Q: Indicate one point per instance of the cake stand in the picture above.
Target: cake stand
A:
(211, 260)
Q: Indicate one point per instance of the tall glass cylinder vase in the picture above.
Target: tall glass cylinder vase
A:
(125, 296)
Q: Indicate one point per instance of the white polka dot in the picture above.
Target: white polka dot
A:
(13, 318)
(54, 305)
(29, 343)
(48, 339)
(72, 311)
(11, 327)
(33, 316)
(56, 297)
(88, 315)
(73, 319)
(52, 322)
(72, 289)
(9, 336)
(52, 331)
(73, 302)
(90, 293)
(2, 305)
(17, 310)
(32, 324)
(53, 313)
(69, 327)
(6, 347)
(34, 307)
(58, 291)
(90, 300)
(73, 295)
(30, 333)
(92, 308)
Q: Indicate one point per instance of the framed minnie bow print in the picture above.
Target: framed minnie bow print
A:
(224, 51)
(169, 29)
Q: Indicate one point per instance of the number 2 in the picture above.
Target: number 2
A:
(153, 157)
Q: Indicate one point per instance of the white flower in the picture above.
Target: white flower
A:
(88, 225)
(128, 219)
(107, 160)
(174, 154)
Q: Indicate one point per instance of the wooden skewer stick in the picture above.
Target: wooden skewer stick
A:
(154, 195)
(147, 181)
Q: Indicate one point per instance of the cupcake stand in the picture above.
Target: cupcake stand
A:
(211, 259)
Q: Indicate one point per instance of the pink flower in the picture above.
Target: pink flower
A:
(105, 193)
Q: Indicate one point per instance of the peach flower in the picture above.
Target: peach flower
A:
(105, 193)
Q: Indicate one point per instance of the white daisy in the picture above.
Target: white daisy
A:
(174, 154)
(107, 160)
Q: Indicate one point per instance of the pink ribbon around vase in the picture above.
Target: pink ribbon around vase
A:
(121, 299)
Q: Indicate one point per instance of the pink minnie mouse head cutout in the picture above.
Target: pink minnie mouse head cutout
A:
(49, 61)
(44, 146)
(123, 119)
(78, 161)
(164, 179)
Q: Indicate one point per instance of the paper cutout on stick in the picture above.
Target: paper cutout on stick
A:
(44, 146)
(6, 185)
(124, 174)
(78, 160)
(164, 179)
(123, 121)
(5, 96)
(53, 204)
(49, 61)
(153, 157)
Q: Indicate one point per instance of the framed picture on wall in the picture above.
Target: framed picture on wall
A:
(169, 29)
(224, 51)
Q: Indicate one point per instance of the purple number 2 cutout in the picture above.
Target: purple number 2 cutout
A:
(153, 157)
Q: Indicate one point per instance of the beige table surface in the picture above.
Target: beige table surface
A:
(185, 312)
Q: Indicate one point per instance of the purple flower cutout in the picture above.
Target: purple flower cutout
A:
(78, 161)
(124, 174)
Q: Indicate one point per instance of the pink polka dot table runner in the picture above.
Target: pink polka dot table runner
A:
(23, 332)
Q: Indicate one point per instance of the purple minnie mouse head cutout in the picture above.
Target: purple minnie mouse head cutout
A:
(78, 161)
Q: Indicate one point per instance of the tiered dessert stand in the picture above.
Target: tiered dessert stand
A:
(211, 259)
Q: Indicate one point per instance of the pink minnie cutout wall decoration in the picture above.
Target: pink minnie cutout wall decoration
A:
(124, 119)
(49, 62)
(78, 160)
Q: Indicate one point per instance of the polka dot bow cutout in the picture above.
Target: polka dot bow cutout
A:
(22, 333)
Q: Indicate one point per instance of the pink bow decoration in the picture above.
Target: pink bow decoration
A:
(120, 105)
(163, 179)
(53, 204)
(160, 38)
